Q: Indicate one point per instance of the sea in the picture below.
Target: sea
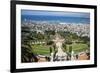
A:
(75, 20)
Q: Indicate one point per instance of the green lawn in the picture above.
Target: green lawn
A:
(41, 49)
(79, 47)
(44, 50)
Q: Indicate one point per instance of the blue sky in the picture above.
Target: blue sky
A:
(55, 13)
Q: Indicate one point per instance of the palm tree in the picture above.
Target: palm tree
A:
(27, 54)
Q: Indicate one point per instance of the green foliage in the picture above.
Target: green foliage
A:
(68, 42)
(40, 36)
(50, 32)
(64, 47)
(85, 39)
(74, 36)
(70, 49)
(27, 55)
(50, 49)
(50, 42)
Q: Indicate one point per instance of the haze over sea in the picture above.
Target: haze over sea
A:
(55, 18)
(66, 17)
